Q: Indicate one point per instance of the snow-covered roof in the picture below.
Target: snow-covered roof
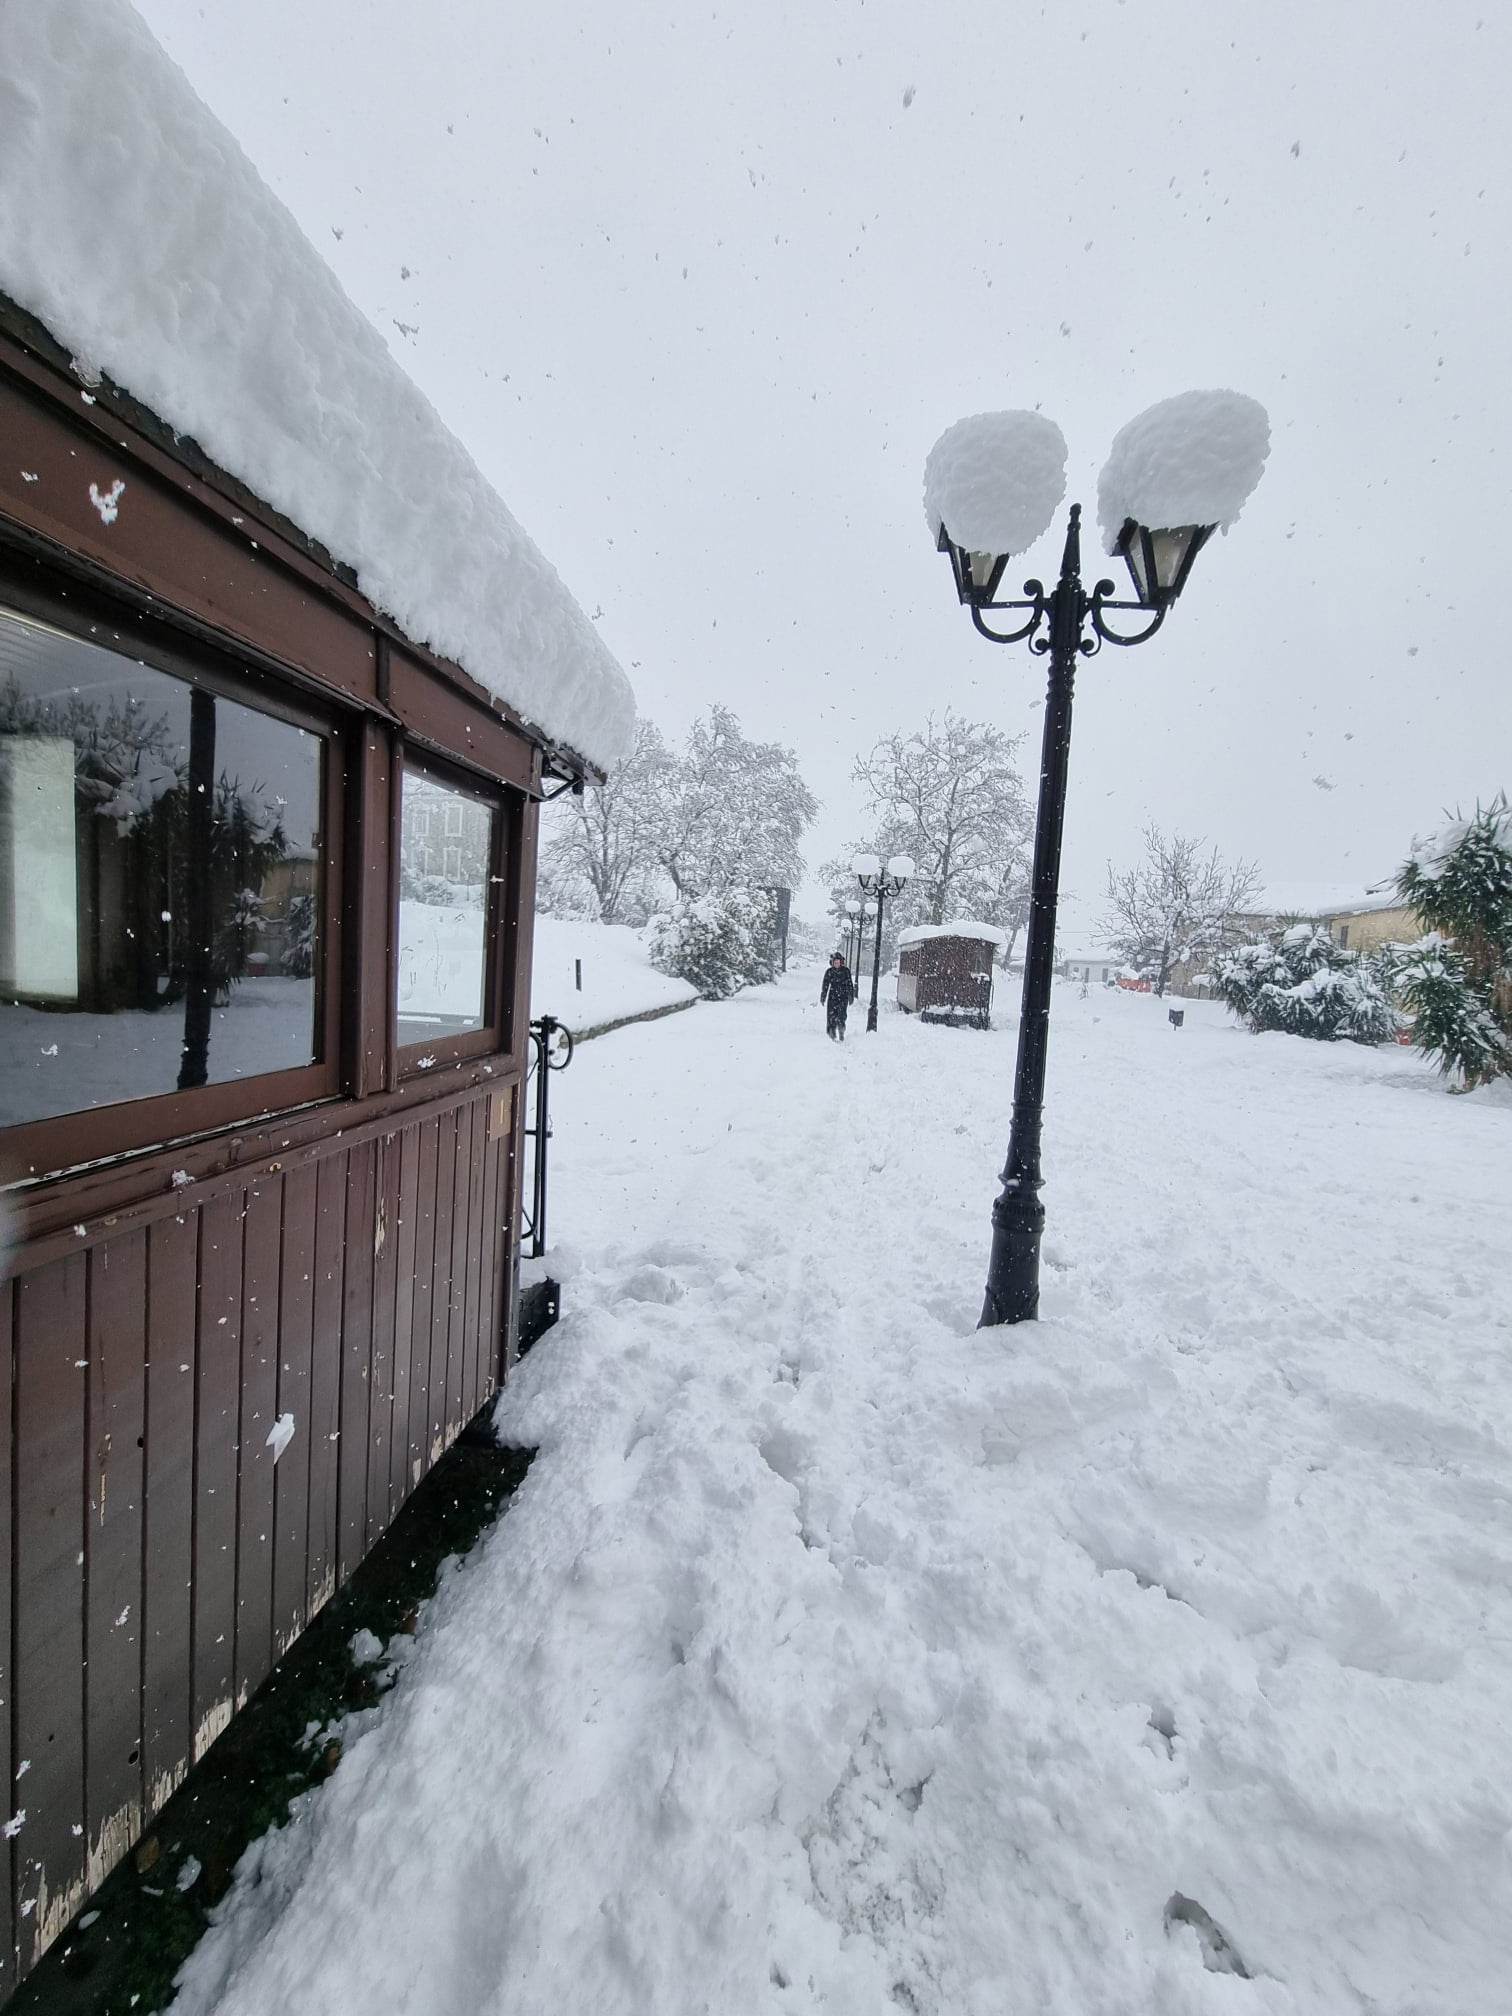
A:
(994, 481)
(1095, 955)
(1191, 460)
(136, 230)
(1319, 899)
(916, 934)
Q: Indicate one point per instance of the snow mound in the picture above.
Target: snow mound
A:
(994, 480)
(988, 934)
(618, 979)
(1191, 460)
(134, 227)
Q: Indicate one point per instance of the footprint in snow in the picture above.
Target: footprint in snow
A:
(1218, 1952)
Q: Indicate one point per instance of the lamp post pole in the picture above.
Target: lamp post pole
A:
(878, 883)
(871, 1012)
(1062, 625)
(992, 484)
(1018, 1216)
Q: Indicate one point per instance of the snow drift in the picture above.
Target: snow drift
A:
(1191, 460)
(134, 227)
(994, 480)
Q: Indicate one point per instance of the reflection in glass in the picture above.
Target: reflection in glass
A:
(443, 908)
(160, 880)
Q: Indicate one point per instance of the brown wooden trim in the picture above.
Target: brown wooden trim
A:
(42, 1147)
(140, 1189)
(210, 511)
(368, 963)
(433, 712)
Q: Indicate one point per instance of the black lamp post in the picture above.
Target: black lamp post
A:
(852, 932)
(880, 883)
(1062, 625)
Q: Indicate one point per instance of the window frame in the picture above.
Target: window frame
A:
(495, 1035)
(45, 1149)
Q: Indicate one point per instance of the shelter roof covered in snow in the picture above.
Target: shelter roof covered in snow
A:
(135, 229)
(988, 934)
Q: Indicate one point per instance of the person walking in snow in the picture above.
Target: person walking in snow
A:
(837, 990)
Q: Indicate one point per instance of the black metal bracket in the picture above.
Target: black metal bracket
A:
(542, 1064)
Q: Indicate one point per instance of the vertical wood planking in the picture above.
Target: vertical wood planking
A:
(168, 1506)
(325, 1378)
(217, 1422)
(7, 1599)
(113, 1549)
(441, 1285)
(291, 1473)
(424, 1207)
(477, 1248)
(356, 1358)
(51, 1343)
(385, 1324)
(503, 1221)
(464, 1246)
(405, 1263)
(262, 1238)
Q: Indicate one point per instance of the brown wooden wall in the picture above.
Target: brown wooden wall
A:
(162, 1560)
(347, 1257)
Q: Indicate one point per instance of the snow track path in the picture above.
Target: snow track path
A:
(835, 1657)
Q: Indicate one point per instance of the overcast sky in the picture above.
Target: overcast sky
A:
(700, 287)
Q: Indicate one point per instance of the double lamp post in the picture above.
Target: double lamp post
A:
(877, 884)
(992, 486)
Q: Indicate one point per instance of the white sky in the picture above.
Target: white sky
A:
(699, 292)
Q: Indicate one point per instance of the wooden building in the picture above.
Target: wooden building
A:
(945, 972)
(267, 872)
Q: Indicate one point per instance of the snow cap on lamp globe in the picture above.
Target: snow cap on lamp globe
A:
(1189, 460)
(994, 481)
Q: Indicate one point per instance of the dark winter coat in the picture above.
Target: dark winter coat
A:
(838, 989)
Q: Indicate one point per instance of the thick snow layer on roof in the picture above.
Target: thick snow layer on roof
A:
(916, 934)
(1191, 460)
(994, 481)
(134, 227)
(1318, 899)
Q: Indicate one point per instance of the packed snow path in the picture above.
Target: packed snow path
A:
(836, 1657)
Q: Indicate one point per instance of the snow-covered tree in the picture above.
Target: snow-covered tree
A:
(1174, 903)
(950, 795)
(1457, 981)
(599, 851)
(730, 813)
(719, 942)
(1299, 981)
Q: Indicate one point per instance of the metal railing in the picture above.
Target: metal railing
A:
(545, 1031)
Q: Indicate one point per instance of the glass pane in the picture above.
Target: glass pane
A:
(160, 880)
(443, 908)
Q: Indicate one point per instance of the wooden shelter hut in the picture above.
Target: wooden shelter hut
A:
(282, 686)
(945, 971)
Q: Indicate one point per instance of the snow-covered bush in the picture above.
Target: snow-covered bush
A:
(720, 942)
(1299, 981)
(1453, 1021)
(1457, 981)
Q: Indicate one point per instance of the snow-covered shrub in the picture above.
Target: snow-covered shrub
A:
(720, 942)
(1457, 981)
(1299, 981)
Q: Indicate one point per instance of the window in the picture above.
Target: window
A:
(161, 881)
(1343, 934)
(447, 921)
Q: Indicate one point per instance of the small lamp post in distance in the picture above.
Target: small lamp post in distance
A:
(880, 883)
(852, 931)
(992, 484)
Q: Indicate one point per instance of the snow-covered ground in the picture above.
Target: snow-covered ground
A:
(836, 1657)
(617, 978)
